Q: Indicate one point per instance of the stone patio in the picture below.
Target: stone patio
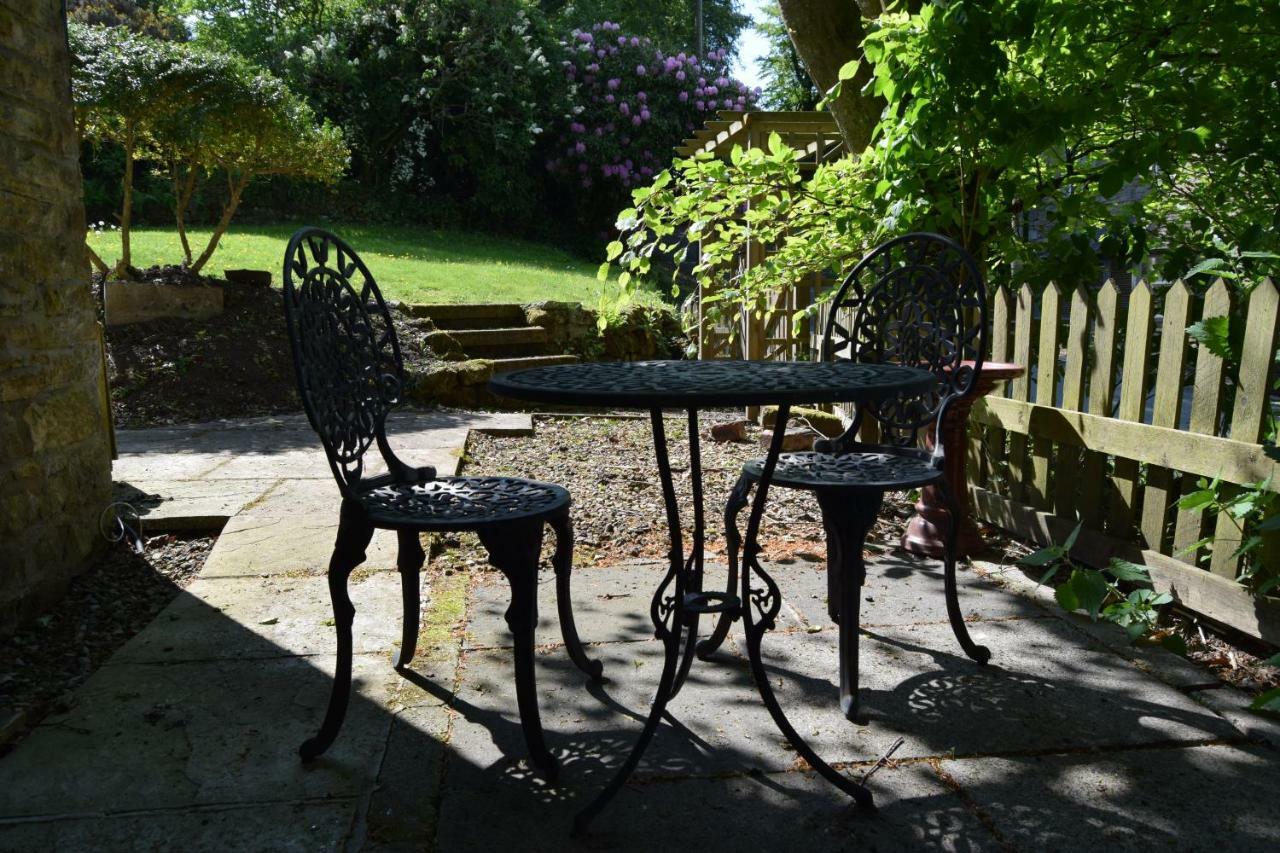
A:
(187, 738)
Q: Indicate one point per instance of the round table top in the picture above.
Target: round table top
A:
(696, 384)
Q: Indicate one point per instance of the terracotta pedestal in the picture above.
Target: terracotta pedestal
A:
(927, 530)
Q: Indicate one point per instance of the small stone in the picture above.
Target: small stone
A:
(730, 431)
(793, 440)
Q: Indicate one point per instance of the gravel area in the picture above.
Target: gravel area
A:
(102, 610)
(608, 465)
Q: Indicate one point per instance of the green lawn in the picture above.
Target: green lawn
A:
(410, 264)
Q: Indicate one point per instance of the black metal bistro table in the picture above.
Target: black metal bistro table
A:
(680, 599)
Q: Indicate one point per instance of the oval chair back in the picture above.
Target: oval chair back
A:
(920, 300)
(345, 352)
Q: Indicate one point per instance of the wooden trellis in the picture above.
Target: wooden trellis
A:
(769, 334)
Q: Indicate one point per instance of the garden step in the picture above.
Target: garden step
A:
(502, 365)
(470, 339)
(478, 316)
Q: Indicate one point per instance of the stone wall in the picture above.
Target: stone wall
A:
(55, 459)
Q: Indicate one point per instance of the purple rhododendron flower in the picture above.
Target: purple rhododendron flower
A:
(624, 108)
(640, 71)
(635, 42)
(644, 114)
(636, 120)
(680, 76)
(600, 53)
(701, 105)
(622, 40)
(641, 97)
(683, 96)
(608, 99)
(580, 148)
(614, 83)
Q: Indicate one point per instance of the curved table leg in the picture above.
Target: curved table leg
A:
(759, 612)
(733, 548)
(979, 653)
(694, 566)
(666, 611)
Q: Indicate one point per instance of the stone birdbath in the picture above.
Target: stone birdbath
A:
(927, 530)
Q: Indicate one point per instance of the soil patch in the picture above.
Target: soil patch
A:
(232, 366)
(103, 609)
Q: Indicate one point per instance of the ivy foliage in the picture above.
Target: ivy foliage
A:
(1045, 135)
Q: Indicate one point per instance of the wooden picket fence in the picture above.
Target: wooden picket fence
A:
(1116, 418)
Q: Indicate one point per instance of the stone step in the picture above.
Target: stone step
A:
(502, 365)
(491, 343)
(476, 316)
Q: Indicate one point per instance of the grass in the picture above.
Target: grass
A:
(410, 264)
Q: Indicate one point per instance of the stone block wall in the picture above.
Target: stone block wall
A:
(55, 458)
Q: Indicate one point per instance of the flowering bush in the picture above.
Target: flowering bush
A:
(631, 104)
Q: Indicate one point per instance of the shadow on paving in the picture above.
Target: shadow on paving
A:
(187, 741)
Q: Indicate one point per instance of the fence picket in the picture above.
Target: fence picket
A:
(1133, 395)
(1020, 390)
(1206, 399)
(1256, 360)
(1066, 471)
(1093, 467)
(1166, 410)
(1046, 385)
(993, 440)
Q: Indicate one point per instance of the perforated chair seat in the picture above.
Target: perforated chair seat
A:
(889, 469)
(461, 503)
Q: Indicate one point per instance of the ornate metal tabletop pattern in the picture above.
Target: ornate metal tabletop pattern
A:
(698, 384)
(854, 470)
(456, 503)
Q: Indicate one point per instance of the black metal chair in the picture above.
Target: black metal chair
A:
(350, 376)
(917, 300)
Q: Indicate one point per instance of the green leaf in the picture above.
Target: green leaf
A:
(1197, 500)
(1066, 596)
(1070, 541)
(602, 274)
(612, 251)
(1126, 571)
(1208, 265)
(1043, 557)
(624, 278)
(1268, 700)
(850, 69)
(1091, 590)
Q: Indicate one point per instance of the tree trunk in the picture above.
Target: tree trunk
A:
(236, 187)
(183, 190)
(126, 209)
(827, 34)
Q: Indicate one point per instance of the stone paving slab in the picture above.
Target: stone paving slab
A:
(1220, 798)
(1043, 690)
(773, 812)
(282, 827)
(253, 544)
(262, 617)
(150, 737)
(184, 505)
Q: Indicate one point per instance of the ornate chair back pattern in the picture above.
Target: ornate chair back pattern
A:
(918, 299)
(350, 373)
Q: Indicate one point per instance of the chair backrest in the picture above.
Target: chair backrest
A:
(919, 300)
(350, 374)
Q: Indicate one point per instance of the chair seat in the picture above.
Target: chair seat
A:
(890, 469)
(462, 503)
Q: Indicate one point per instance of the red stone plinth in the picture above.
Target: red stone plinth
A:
(926, 533)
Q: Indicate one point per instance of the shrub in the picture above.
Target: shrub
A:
(631, 103)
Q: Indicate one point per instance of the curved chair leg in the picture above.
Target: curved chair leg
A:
(562, 561)
(733, 546)
(354, 533)
(514, 550)
(979, 653)
(409, 560)
(848, 516)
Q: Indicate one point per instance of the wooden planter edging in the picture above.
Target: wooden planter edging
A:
(1202, 592)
